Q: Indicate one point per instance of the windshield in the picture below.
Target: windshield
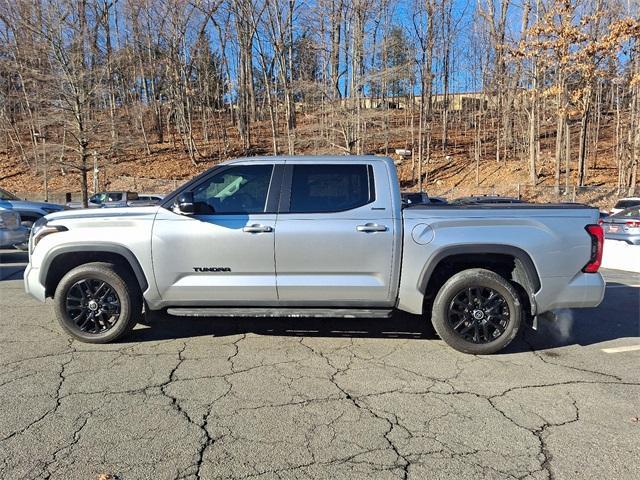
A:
(4, 195)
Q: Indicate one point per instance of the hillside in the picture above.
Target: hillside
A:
(450, 172)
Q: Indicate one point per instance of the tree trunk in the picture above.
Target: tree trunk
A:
(582, 148)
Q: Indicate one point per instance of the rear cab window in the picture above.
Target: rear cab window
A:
(630, 212)
(627, 203)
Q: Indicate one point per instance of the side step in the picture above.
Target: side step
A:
(281, 312)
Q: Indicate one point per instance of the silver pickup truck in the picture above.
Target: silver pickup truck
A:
(321, 237)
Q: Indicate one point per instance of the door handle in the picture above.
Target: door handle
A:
(371, 227)
(255, 228)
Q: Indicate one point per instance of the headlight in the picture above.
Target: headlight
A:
(40, 230)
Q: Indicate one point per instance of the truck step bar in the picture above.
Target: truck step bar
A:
(281, 312)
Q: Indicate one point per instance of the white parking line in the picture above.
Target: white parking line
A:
(628, 348)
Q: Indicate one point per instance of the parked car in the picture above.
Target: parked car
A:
(316, 236)
(421, 198)
(113, 200)
(624, 225)
(485, 200)
(29, 211)
(12, 232)
(624, 203)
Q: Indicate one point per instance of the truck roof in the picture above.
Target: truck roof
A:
(310, 159)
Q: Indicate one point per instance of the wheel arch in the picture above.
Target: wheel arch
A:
(509, 261)
(63, 258)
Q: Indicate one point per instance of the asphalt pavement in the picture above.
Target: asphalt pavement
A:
(185, 398)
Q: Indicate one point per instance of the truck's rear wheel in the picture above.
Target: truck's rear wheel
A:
(98, 302)
(477, 311)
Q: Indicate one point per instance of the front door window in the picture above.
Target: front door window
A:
(237, 190)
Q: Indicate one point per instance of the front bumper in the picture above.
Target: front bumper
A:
(9, 238)
(32, 283)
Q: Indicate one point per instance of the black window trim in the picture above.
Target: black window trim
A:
(272, 193)
(287, 181)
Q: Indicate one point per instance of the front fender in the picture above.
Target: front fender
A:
(95, 247)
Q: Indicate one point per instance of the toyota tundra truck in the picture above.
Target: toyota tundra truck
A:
(318, 237)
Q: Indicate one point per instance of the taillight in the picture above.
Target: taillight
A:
(597, 244)
(600, 222)
(632, 224)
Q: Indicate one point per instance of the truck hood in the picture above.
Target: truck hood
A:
(105, 213)
(24, 205)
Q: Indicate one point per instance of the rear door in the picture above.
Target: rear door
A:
(335, 235)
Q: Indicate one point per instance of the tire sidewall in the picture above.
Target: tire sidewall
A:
(476, 278)
(103, 273)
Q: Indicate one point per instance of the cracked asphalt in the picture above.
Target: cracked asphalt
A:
(306, 398)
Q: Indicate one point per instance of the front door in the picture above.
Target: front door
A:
(335, 236)
(223, 254)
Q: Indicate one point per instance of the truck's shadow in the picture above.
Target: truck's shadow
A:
(163, 327)
(617, 317)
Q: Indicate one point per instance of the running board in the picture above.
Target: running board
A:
(281, 312)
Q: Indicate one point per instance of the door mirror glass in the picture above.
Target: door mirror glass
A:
(184, 203)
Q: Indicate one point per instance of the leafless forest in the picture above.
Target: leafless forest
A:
(547, 88)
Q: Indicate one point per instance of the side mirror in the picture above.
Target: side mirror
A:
(184, 203)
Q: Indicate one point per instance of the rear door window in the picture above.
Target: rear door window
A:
(330, 188)
(114, 196)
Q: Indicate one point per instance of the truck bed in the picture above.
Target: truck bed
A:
(550, 237)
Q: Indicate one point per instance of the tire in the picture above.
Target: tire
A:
(477, 311)
(93, 293)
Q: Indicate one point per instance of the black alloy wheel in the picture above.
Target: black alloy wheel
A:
(98, 302)
(93, 305)
(478, 314)
(477, 311)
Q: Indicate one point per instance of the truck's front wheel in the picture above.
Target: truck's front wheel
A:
(97, 302)
(477, 311)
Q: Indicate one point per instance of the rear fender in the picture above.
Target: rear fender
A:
(525, 272)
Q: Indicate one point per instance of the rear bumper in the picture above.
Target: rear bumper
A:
(8, 238)
(32, 283)
(633, 239)
(585, 290)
